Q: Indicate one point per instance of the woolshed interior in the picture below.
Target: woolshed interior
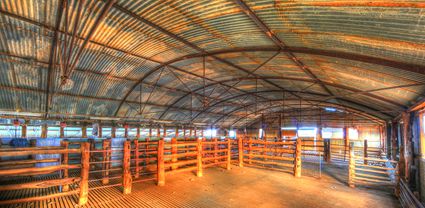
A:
(212, 103)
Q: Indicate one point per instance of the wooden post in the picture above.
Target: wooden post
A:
(126, 177)
(365, 152)
(85, 166)
(125, 132)
(199, 158)
(215, 149)
(92, 155)
(24, 129)
(106, 157)
(84, 131)
(346, 142)
(158, 132)
(165, 131)
(174, 153)
(397, 181)
(44, 131)
(161, 168)
(137, 157)
(351, 166)
(194, 132)
(265, 149)
(394, 140)
(328, 150)
(229, 153)
(177, 132)
(99, 130)
(297, 165)
(249, 150)
(113, 132)
(147, 156)
(138, 132)
(65, 158)
(61, 132)
(184, 132)
(240, 148)
(190, 132)
(202, 132)
(150, 132)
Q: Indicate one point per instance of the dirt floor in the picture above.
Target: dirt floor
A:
(249, 187)
(239, 187)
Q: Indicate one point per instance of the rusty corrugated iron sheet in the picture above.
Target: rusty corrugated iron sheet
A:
(124, 49)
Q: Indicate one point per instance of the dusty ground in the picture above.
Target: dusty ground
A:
(239, 187)
(249, 187)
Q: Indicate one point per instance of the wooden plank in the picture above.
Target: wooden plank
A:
(40, 184)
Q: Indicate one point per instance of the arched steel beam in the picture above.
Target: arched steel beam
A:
(185, 42)
(345, 108)
(336, 54)
(269, 91)
(355, 91)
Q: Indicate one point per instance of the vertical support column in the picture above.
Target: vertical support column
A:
(158, 132)
(199, 158)
(85, 166)
(194, 132)
(137, 157)
(161, 168)
(44, 131)
(150, 132)
(106, 157)
(126, 175)
(147, 149)
(365, 152)
(215, 150)
(240, 149)
(84, 131)
(61, 131)
(190, 132)
(346, 142)
(407, 146)
(65, 160)
(126, 131)
(24, 129)
(249, 150)
(173, 153)
(99, 130)
(397, 181)
(351, 166)
(165, 131)
(113, 132)
(202, 132)
(328, 150)
(184, 133)
(297, 161)
(92, 147)
(138, 132)
(177, 132)
(229, 153)
(279, 129)
(265, 149)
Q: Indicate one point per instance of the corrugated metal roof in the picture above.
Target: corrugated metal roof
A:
(138, 41)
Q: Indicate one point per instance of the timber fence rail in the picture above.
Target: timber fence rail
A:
(272, 155)
(370, 171)
(59, 173)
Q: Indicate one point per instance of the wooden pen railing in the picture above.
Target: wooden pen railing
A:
(371, 171)
(273, 155)
(68, 185)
